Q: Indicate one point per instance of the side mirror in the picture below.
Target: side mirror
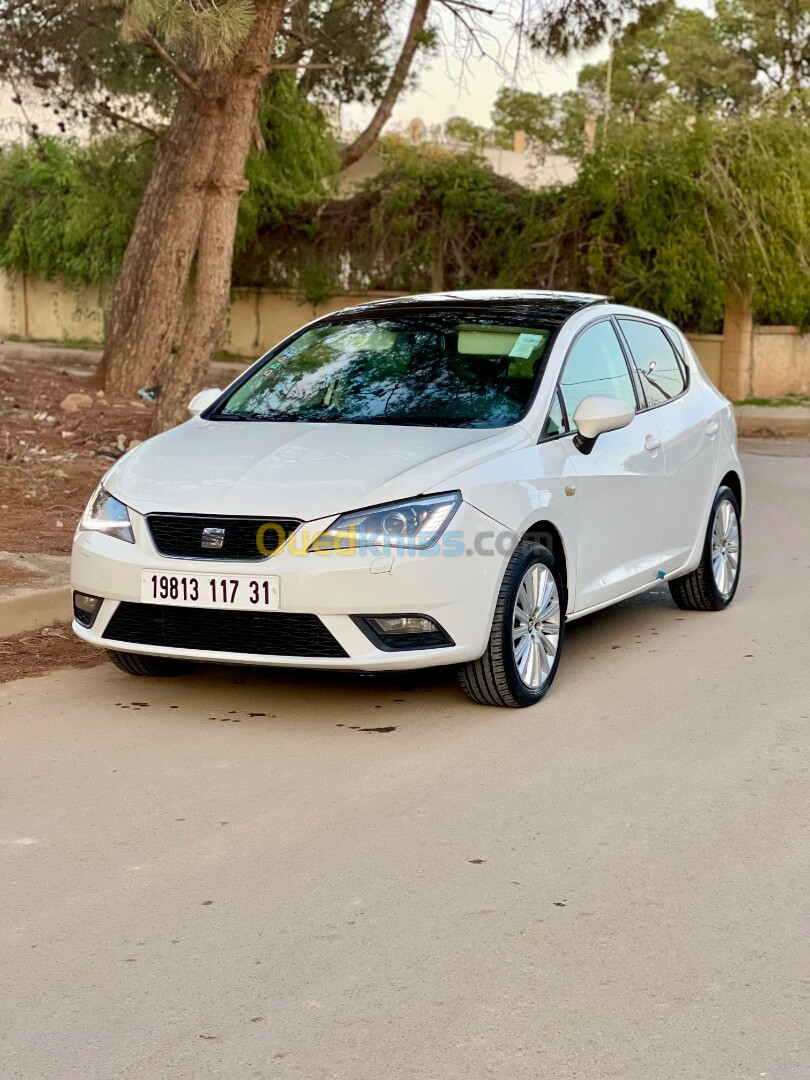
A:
(200, 402)
(597, 414)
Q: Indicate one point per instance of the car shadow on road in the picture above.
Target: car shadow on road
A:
(371, 701)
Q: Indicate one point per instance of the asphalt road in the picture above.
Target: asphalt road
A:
(236, 879)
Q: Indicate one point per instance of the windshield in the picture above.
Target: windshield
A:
(416, 369)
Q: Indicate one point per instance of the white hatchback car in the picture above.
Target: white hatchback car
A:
(439, 479)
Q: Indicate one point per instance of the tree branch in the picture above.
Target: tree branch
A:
(306, 67)
(366, 139)
(136, 31)
(111, 114)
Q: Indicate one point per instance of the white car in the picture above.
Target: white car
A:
(438, 479)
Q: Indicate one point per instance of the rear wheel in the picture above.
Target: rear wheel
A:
(526, 639)
(140, 664)
(712, 585)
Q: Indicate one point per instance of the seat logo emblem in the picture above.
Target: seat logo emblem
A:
(212, 539)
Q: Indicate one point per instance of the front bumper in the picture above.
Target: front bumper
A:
(456, 584)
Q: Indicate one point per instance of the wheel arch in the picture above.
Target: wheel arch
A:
(545, 532)
(733, 480)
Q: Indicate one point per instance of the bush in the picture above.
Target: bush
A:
(67, 211)
(665, 217)
(672, 218)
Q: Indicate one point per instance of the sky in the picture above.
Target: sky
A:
(462, 82)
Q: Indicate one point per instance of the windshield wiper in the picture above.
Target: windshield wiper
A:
(412, 421)
(321, 418)
(257, 417)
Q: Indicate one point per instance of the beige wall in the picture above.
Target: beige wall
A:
(779, 364)
(49, 311)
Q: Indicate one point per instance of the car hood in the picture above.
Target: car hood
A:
(298, 470)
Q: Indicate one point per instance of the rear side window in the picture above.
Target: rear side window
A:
(659, 369)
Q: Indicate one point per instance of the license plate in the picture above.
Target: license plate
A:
(233, 591)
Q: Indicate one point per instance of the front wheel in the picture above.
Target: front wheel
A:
(527, 633)
(712, 585)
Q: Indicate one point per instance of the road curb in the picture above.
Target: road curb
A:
(767, 422)
(34, 609)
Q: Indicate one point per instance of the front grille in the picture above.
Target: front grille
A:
(181, 535)
(266, 633)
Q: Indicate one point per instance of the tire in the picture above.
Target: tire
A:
(495, 678)
(140, 664)
(701, 590)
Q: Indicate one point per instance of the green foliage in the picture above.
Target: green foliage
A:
(461, 130)
(668, 217)
(677, 218)
(295, 167)
(90, 60)
(671, 218)
(521, 110)
(552, 123)
(67, 211)
(214, 31)
(561, 27)
(354, 36)
(673, 55)
(439, 221)
(430, 220)
(774, 37)
(70, 58)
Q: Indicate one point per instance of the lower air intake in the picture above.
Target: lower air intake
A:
(254, 633)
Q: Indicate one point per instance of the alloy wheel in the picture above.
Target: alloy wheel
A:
(536, 625)
(725, 547)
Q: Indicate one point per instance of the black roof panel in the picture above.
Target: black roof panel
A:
(526, 304)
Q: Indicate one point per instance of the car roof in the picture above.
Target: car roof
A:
(554, 306)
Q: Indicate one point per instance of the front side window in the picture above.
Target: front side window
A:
(658, 368)
(596, 365)
(421, 369)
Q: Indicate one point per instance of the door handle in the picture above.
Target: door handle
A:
(712, 428)
(651, 442)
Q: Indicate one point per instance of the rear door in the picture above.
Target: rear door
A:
(688, 430)
(621, 483)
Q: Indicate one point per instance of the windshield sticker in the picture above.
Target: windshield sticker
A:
(525, 346)
(275, 363)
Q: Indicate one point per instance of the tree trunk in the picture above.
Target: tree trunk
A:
(205, 326)
(737, 354)
(366, 139)
(154, 274)
(149, 293)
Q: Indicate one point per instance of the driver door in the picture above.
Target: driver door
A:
(621, 484)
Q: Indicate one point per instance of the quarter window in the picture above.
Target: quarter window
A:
(658, 368)
(596, 365)
(555, 421)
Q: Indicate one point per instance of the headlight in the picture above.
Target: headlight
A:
(106, 514)
(412, 525)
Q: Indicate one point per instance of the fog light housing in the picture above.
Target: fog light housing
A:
(393, 633)
(86, 607)
(403, 624)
